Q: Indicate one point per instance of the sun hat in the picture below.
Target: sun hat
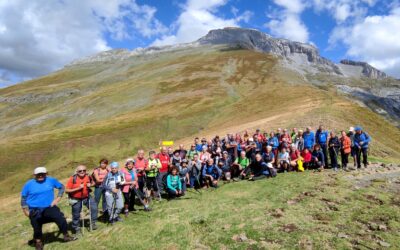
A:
(40, 170)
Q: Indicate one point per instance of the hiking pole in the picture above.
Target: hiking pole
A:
(159, 191)
(90, 215)
(83, 217)
(111, 216)
(146, 206)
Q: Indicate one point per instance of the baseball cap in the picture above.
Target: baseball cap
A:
(114, 164)
(40, 170)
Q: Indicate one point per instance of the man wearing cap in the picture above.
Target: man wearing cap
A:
(78, 189)
(38, 203)
(322, 138)
(361, 141)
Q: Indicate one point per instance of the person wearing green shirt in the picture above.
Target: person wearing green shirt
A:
(152, 170)
(240, 165)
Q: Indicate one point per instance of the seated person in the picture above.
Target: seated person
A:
(174, 185)
(211, 174)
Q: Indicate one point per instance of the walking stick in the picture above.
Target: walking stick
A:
(90, 214)
(83, 218)
(146, 206)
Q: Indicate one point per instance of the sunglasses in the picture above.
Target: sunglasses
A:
(81, 171)
(41, 175)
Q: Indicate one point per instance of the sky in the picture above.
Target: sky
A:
(40, 36)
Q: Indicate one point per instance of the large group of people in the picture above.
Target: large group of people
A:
(171, 173)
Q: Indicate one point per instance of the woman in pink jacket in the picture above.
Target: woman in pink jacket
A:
(130, 186)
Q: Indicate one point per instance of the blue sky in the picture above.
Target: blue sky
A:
(38, 37)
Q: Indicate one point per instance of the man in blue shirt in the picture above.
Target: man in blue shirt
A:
(322, 138)
(309, 138)
(361, 142)
(38, 203)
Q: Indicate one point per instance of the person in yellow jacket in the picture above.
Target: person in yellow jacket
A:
(152, 169)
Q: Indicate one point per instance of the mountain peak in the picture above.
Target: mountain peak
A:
(367, 70)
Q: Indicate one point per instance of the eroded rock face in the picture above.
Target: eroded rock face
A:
(259, 41)
(367, 70)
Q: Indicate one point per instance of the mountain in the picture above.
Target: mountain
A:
(112, 103)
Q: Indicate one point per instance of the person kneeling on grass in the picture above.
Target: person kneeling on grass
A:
(112, 184)
(78, 189)
(258, 169)
(317, 158)
(240, 165)
(174, 185)
(283, 161)
(211, 174)
(38, 203)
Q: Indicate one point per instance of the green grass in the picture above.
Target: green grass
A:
(313, 208)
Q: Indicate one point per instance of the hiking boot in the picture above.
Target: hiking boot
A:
(118, 219)
(147, 209)
(39, 245)
(251, 179)
(68, 238)
(94, 226)
(126, 212)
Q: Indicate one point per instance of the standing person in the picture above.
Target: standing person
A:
(278, 133)
(285, 139)
(294, 134)
(309, 138)
(204, 155)
(112, 184)
(191, 152)
(182, 151)
(165, 160)
(351, 135)
(184, 175)
(361, 141)
(38, 203)
(211, 174)
(195, 172)
(174, 185)
(334, 147)
(345, 149)
(176, 159)
(274, 143)
(322, 138)
(140, 166)
(152, 171)
(299, 141)
(129, 185)
(231, 146)
(98, 175)
(78, 189)
(199, 146)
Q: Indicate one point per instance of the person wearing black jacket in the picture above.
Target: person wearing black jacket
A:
(334, 147)
(317, 158)
(258, 169)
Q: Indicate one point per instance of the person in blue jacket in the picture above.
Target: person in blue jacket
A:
(322, 138)
(211, 174)
(361, 142)
(317, 158)
(309, 138)
(38, 203)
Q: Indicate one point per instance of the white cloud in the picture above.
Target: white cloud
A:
(287, 23)
(199, 17)
(373, 40)
(37, 37)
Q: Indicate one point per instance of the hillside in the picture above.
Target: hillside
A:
(358, 210)
(111, 108)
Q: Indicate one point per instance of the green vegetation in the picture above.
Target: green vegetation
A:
(295, 210)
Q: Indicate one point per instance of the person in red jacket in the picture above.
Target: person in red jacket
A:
(306, 155)
(140, 166)
(345, 149)
(164, 159)
(78, 189)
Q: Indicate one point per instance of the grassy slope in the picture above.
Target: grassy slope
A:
(292, 211)
(169, 96)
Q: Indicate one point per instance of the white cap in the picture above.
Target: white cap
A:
(40, 170)
(351, 129)
(129, 160)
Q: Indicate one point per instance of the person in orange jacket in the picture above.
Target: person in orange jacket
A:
(345, 149)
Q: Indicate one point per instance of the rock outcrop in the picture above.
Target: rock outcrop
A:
(367, 70)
